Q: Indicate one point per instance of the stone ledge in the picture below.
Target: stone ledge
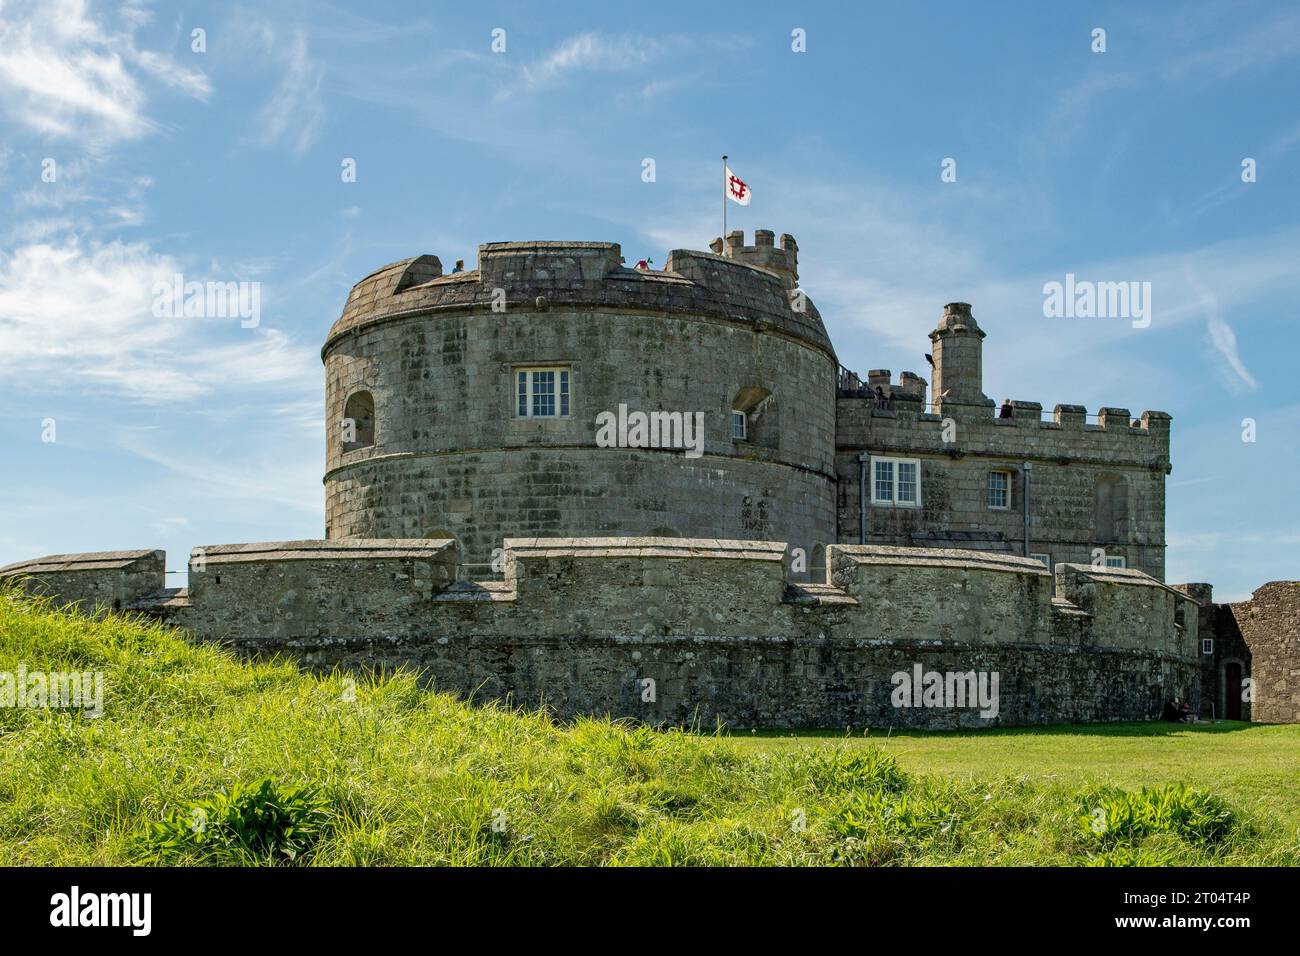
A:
(326, 550)
(645, 548)
(89, 561)
(939, 558)
(1130, 576)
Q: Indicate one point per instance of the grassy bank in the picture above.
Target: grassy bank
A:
(202, 758)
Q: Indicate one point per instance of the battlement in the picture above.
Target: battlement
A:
(543, 276)
(764, 253)
(901, 423)
(909, 388)
(560, 263)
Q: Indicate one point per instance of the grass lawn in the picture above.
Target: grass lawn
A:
(1254, 765)
(201, 758)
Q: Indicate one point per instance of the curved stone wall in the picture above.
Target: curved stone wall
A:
(686, 631)
(450, 457)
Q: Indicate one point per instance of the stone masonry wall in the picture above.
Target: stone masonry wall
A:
(1226, 665)
(715, 627)
(1270, 624)
(1092, 486)
(111, 579)
(451, 457)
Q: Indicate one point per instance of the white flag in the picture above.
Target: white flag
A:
(737, 189)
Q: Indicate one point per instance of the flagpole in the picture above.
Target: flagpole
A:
(724, 197)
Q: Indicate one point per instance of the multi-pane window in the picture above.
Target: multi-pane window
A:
(1000, 489)
(1046, 559)
(1116, 562)
(908, 482)
(896, 481)
(1207, 645)
(739, 425)
(542, 392)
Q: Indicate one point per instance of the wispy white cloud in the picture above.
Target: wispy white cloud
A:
(77, 316)
(68, 74)
(1221, 334)
(295, 112)
(592, 52)
(266, 478)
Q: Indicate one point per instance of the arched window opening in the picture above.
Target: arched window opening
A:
(359, 421)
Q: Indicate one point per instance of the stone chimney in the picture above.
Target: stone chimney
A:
(958, 347)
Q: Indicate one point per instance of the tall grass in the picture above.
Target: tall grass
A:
(203, 758)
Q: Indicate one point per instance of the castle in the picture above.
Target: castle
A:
(657, 493)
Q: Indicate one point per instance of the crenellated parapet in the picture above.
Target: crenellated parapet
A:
(764, 253)
(750, 284)
(902, 425)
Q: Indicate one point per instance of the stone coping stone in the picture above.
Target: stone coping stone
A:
(342, 549)
(90, 561)
(940, 558)
(1121, 576)
(645, 548)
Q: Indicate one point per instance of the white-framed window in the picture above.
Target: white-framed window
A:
(1116, 561)
(1046, 559)
(1207, 645)
(739, 425)
(1000, 490)
(542, 392)
(896, 482)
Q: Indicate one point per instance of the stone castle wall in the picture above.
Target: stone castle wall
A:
(107, 580)
(716, 627)
(452, 458)
(1091, 486)
(1270, 625)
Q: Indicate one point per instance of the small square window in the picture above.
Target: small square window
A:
(1000, 490)
(739, 425)
(1046, 559)
(542, 392)
(1207, 645)
(1117, 561)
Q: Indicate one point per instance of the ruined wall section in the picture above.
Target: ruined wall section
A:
(1270, 624)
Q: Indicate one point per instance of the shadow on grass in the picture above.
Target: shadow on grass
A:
(1139, 728)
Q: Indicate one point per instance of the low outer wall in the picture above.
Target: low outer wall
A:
(113, 579)
(682, 631)
(313, 589)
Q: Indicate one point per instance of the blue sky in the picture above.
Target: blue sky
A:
(225, 165)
